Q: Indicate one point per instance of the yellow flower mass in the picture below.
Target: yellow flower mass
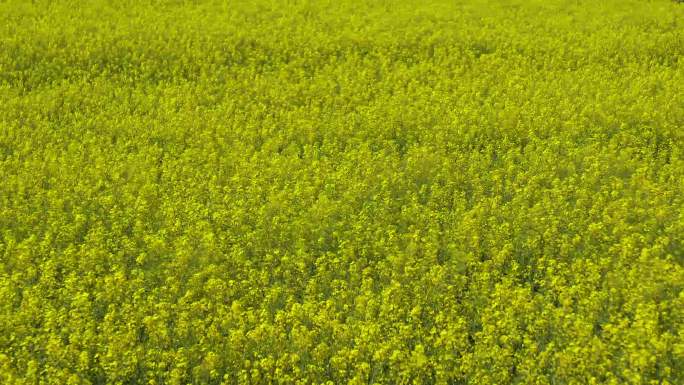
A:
(341, 192)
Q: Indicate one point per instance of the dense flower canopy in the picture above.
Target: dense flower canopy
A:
(341, 191)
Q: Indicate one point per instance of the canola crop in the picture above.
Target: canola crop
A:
(341, 192)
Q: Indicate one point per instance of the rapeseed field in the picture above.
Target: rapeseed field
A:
(341, 192)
